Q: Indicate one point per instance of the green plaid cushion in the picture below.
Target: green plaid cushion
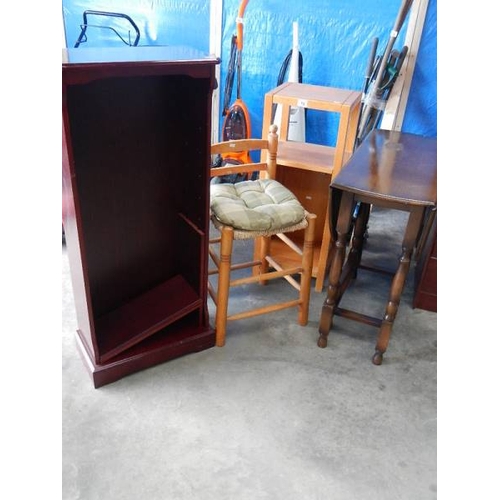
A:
(261, 205)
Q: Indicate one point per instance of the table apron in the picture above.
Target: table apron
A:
(389, 203)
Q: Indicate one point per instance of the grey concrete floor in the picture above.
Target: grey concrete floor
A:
(270, 415)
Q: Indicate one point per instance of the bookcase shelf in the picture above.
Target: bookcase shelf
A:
(145, 315)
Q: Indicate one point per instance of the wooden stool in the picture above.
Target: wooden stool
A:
(392, 170)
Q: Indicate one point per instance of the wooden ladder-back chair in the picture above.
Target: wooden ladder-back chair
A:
(258, 210)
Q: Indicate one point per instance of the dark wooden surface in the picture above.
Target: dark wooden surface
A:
(393, 166)
(391, 170)
(136, 138)
(425, 283)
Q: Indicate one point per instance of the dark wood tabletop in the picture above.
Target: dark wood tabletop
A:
(394, 166)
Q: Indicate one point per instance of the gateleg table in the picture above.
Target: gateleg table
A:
(389, 169)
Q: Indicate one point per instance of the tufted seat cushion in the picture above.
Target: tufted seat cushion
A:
(261, 205)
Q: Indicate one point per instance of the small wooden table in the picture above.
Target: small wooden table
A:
(393, 170)
(307, 169)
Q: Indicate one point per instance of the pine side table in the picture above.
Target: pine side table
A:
(307, 169)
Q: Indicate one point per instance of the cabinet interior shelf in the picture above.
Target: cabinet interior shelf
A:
(175, 337)
(308, 156)
(145, 315)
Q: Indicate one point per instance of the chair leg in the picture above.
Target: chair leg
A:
(265, 248)
(226, 248)
(307, 265)
(260, 252)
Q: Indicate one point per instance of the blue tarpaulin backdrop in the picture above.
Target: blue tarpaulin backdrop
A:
(161, 22)
(334, 37)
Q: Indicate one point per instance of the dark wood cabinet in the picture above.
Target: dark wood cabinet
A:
(136, 159)
(425, 285)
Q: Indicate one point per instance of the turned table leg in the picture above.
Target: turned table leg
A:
(358, 238)
(340, 231)
(410, 237)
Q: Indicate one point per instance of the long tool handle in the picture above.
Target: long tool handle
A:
(400, 19)
(373, 95)
(239, 45)
(369, 67)
(228, 90)
(239, 24)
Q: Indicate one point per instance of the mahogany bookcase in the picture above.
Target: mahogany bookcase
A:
(136, 163)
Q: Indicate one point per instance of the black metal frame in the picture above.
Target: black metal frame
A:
(83, 34)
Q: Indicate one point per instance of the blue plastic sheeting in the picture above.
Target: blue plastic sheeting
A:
(160, 22)
(335, 38)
